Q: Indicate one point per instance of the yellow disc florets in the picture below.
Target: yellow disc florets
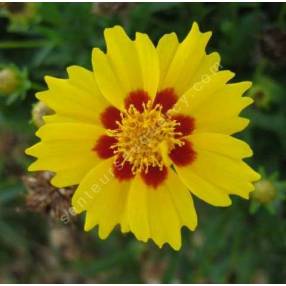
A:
(141, 136)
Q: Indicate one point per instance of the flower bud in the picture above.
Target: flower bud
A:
(109, 9)
(9, 81)
(265, 92)
(264, 192)
(20, 15)
(40, 109)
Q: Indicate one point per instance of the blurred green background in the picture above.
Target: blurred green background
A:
(241, 244)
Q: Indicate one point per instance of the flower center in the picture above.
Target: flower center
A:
(141, 136)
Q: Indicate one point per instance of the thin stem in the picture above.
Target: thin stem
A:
(23, 44)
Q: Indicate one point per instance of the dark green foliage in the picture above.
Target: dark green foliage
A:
(243, 243)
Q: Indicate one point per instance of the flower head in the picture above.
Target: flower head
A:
(144, 131)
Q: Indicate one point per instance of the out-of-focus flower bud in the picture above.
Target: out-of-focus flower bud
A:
(265, 192)
(40, 109)
(265, 91)
(9, 80)
(109, 9)
(21, 15)
(273, 44)
(14, 82)
(14, 8)
(198, 239)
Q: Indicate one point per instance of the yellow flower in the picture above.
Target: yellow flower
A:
(144, 131)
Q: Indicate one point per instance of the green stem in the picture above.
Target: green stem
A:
(23, 44)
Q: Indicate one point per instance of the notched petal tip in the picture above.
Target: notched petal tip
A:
(34, 167)
(246, 122)
(50, 80)
(41, 95)
(230, 74)
(76, 206)
(34, 150)
(97, 55)
(103, 233)
(215, 55)
(97, 52)
(175, 246)
(247, 151)
(207, 35)
(194, 226)
(195, 26)
(57, 182)
(248, 84)
(256, 177)
(72, 69)
(29, 151)
(145, 39)
(116, 28)
(87, 225)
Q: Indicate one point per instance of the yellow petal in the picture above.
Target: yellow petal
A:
(72, 100)
(62, 149)
(108, 82)
(124, 58)
(203, 189)
(72, 176)
(183, 201)
(138, 209)
(165, 224)
(128, 66)
(227, 101)
(221, 144)
(103, 197)
(69, 131)
(84, 79)
(200, 100)
(93, 185)
(201, 91)
(149, 63)
(57, 118)
(110, 208)
(209, 66)
(67, 150)
(166, 49)
(227, 126)
(160, 213)
(232, 175)
(187, 59)
(69, 170)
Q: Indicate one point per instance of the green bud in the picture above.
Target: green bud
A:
(265, 192)
(21, 15)
(265, 92)
(9, 81)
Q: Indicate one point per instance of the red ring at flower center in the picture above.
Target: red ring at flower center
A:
(183, 155)
(137, 98)
(103, 146)
(186, 124)
(167, 98)
(122, 171)
(141, 112)
(109, 117)
(155, 176)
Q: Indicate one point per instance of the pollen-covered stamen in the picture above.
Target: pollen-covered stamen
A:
(140, 136)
